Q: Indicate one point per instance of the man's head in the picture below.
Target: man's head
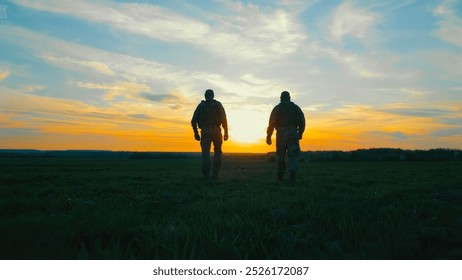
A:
(285, 96)
(209, 94)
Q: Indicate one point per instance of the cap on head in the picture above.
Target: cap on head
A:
(209, 94)
(285, 96)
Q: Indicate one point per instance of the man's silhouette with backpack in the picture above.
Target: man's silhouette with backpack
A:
(209, 116)
(289, 121)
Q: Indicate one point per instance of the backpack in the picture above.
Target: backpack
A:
(209, 113)
(287, 114)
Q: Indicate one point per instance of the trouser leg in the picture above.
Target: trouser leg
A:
(281, 151)
(217, 143)
(281, 155)
(216, 163)
(293, 153)
(205, 145)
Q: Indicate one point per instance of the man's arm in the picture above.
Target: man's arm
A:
(194, 123)
(271, 125)
(301, 122)
(224, 122)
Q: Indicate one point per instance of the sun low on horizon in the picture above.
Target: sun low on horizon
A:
(247, 126)
(128, 75)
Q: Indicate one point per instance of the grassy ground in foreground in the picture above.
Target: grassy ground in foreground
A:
(164, 209)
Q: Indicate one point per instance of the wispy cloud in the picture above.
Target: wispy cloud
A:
(264, 33)
(122, 89)
(401, 4)
(450, 25)
(33, 88)
(389, 136)
(4, 74)
(245, 31)
(416, 93)
(364, 65)
(348, 20)
(137, 73)
(56, 116)
(448, 63)
(393, 125)
(143, 87)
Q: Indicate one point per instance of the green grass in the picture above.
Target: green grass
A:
(163, 209)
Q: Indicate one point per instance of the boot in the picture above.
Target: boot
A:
(292, 178)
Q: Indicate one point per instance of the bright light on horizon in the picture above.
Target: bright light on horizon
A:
(247, 126)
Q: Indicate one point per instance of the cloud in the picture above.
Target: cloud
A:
(393, 136)
(100, 67)
(245, 31)
(418, 112)
(436, 110)
(129, 74)
(172, 100)
(297, 6)
(251, 79)
(4, 74)
(33, 88)
(136, 82)
(365, 66)
(3, 13)
(77, 63)
(94, 65)
(450, 25)
(448, 63)
(402, 4)
(348, 20)
(416, 93)
(314, 107)
(399, 125)
(57, 115)
(263, 33)
(144, 19)
(448, 132)
(154, 97)
(122, 89)
(140, 116)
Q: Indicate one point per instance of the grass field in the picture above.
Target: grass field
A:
(164, 209)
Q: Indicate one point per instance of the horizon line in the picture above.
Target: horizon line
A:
(198, 152)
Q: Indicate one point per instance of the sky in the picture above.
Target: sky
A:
(127, 75)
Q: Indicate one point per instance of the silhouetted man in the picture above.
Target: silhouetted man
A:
(209, 116)
(289, 121)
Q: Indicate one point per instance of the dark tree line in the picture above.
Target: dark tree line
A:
(377, 154)
(384, 154)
